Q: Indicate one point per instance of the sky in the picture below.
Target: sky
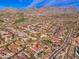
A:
(38, 3)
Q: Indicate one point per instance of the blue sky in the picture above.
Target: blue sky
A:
(38, 3)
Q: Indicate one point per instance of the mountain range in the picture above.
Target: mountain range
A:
(43, 11)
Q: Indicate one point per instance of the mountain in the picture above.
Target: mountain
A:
(43, 11)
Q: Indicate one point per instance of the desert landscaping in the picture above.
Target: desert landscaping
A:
(39, 34)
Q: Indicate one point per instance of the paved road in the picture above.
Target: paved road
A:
(66, 42)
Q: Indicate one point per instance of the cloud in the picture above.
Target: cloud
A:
(57, 3)
(38, 3)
